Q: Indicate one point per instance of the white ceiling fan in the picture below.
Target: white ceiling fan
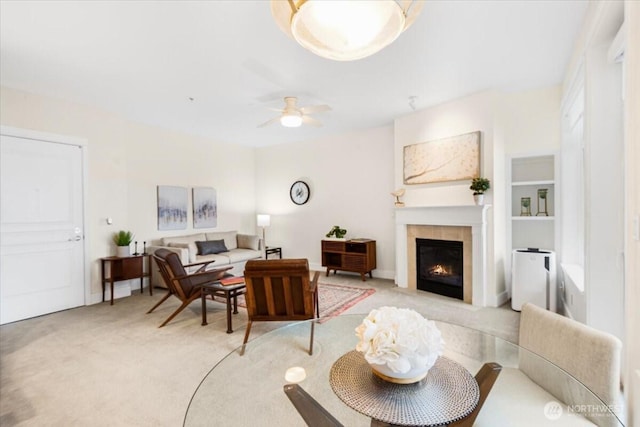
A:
(293, 116)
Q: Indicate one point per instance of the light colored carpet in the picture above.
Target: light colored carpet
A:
(105, 365)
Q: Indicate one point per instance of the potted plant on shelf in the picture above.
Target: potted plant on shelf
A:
(479, 186)
(123, 239)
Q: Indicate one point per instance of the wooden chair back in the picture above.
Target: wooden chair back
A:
(280, 290)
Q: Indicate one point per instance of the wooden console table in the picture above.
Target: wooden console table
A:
(358, 255)
(125, 268)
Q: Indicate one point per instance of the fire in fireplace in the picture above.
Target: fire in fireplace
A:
(439, 267)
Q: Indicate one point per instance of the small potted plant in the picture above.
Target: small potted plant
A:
(123, 239)
(479, 186)
(336, 231)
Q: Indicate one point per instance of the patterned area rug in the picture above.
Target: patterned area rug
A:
(333, 299)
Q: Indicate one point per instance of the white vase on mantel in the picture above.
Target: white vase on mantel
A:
(123, 251)
(479, 199)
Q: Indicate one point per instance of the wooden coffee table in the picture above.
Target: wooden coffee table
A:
(229, 293)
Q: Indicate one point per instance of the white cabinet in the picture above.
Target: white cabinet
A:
(534, 178)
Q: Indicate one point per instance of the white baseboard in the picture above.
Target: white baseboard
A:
(380, 274)
(499, 299)
(120, 290)
(565, 308)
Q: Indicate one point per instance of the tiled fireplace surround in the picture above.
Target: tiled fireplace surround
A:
(467, 224)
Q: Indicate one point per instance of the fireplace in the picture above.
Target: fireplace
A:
(467, 224)
(439, 267)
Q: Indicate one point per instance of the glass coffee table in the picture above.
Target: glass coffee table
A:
(248, 390)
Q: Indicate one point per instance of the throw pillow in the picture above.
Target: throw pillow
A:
(247, 241)
(209, 247)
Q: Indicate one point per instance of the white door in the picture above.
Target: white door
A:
(41, 227)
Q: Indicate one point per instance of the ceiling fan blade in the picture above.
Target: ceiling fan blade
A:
(315, 109)
(311, 121)
(268, 122)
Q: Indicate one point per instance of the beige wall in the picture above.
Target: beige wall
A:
(473, 113)
(126, 161)
(524, 123)
(530, 121)
(351, 178)
(351, 175)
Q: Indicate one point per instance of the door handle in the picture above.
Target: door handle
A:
(77, 239)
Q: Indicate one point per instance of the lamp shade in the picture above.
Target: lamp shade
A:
(264, 220)
(345, 30)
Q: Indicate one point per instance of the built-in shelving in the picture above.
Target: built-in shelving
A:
(534, 229)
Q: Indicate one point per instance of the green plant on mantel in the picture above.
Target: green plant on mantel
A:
(123, 238)
(479, 185)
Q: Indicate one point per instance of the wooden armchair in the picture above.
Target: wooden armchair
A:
(280, 290)
(186, 287)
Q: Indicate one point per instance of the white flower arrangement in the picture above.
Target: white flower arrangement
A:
(399, 338)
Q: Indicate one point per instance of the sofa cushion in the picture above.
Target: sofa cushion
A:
(193, 249)
(240, 254)
(209, 247)
(219, 260)
(230, 239)
(247, 241)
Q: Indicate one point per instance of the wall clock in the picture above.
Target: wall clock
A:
(299, 193)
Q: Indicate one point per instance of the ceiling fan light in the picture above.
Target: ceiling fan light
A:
(291, 120)
(347, 30)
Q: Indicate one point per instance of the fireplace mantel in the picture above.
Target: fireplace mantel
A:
(466, 216)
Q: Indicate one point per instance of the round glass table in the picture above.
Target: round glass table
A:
(249, 390)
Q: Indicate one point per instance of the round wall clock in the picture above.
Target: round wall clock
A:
(299, 193)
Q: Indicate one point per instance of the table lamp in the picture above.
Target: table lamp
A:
(264, 221)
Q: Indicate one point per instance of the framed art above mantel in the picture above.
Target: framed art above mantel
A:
(456, 158)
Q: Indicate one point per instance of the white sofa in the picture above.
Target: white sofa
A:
(239, 249)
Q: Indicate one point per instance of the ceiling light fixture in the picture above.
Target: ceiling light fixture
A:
(291, 119)
(345, 30)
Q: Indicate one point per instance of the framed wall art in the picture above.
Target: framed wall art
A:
(450, 159)
(172, 208)
(205, 208)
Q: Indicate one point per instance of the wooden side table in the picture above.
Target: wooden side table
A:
(125, 268)
(229, 292)
(271, 250)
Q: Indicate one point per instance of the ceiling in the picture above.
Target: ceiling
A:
(215, 68)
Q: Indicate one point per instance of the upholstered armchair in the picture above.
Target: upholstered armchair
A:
(186, 287)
